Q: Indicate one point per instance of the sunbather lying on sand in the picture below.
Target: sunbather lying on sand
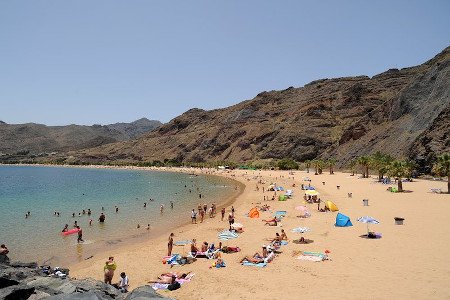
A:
(272, 222)
(167, 277)
(256, 258)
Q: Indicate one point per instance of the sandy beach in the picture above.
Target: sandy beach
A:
(409, 261)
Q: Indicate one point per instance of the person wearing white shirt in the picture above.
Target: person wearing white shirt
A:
(123, 283)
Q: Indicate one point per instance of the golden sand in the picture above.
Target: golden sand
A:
(409, 261)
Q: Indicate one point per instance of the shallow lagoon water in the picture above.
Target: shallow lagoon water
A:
(44, 190)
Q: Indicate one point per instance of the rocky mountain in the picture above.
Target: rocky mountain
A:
(135, 129)
(398, 112)
(38, 138)
(401, 112)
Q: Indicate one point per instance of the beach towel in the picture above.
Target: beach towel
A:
(260, 265)
(280, 213)
(182, 243)
(300, 230)
(313, 256)
(310, 258)
(227, 235)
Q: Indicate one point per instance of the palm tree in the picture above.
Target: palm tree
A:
(307, 165)
(318, 165)
(380, 162)
(331, 163)
(352, 165)
(442, 168)
(364, 161)
(399, 169)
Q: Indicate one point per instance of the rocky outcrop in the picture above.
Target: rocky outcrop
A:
(28, 281)
(340, 118)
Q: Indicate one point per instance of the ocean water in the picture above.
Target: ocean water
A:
(44, 190)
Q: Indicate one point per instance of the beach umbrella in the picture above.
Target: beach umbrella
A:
(304, 212)
(312, 192)
(368, 220)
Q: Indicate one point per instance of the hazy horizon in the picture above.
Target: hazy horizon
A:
(91, 63)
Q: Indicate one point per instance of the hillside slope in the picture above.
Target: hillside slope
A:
(38, 138)
(395, 112)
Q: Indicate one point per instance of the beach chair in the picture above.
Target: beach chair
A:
(436, 190)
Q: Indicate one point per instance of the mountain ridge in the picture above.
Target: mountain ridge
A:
(339, 117)
(37, 138)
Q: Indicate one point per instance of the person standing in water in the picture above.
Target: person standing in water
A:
(171, 204)
(170, 245)
(102, 217)
(66, 228)
(80, 235)
(161, 208)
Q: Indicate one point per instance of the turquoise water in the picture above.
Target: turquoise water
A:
(44, 190)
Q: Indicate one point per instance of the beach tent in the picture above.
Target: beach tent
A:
(331, 206)
(253, 213)
(282, 198)
(343, 221)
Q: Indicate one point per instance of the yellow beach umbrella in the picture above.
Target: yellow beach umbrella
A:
(312, 192)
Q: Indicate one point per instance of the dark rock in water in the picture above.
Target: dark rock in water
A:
(143, 293)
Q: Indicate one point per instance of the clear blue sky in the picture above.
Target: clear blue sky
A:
(88, 62)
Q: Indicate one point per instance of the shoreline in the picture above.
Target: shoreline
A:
(134, 239)
(397, 262)
(355, 261)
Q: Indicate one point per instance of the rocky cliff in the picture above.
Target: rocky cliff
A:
(38, 138)
(400, 112)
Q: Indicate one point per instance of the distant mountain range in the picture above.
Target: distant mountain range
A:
(405, 113)
(37, 138)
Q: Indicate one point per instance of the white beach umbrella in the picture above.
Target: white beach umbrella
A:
(368, 220)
